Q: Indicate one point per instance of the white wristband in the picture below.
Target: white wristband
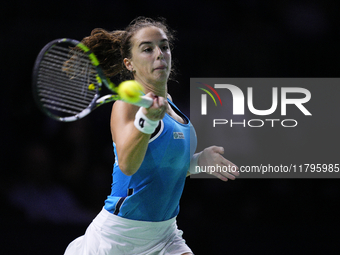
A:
(194, 167)
(143, 124)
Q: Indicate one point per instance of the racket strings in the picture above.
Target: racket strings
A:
(61, 99)
(67, 81)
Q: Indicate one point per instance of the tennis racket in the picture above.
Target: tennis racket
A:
(67, 81)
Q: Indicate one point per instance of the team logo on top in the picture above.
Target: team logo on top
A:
(178, 135)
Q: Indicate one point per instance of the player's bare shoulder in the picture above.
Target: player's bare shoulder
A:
(122, 115)
(123, 111)
(169, 97)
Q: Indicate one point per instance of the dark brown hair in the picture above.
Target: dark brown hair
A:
(112, 47)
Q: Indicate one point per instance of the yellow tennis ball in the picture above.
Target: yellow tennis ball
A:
(92, 86)
(130, 91)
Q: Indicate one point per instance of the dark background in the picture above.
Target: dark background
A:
(55, 176)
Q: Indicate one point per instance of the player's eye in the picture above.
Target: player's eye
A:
(165, 47)
(147, 50)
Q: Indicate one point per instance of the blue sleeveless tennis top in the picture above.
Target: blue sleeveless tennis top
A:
(154, 191)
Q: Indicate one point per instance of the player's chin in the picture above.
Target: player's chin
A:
(161, 77)
(161, 72)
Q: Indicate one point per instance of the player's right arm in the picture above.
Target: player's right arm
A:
(131, 144)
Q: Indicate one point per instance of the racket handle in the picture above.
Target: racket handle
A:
(144, 102)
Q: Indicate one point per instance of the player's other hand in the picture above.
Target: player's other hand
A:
(223, 168)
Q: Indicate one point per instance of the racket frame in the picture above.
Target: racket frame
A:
(100, 77)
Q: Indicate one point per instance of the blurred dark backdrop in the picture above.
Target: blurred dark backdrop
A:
(55, 176)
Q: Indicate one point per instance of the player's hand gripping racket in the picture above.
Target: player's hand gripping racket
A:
(67, 82)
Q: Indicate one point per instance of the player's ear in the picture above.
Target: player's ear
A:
(128, 64)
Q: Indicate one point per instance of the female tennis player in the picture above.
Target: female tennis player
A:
(152, 149)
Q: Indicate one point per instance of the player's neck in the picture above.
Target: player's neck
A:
(159, 90)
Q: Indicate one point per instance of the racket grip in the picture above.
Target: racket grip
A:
(144, 102)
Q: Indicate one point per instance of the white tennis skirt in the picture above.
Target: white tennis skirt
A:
(109, 234)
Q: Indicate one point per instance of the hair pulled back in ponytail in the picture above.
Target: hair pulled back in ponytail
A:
(111, 47)
(107, 47)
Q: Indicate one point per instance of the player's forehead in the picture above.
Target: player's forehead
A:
(149, 34)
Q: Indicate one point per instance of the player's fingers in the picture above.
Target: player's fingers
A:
(150, 95)
(223, 173)
(157, 109)
(155, 102)
(218, 149)
(220, 176)
(163, 106)
(232, 168)
(228, 175)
